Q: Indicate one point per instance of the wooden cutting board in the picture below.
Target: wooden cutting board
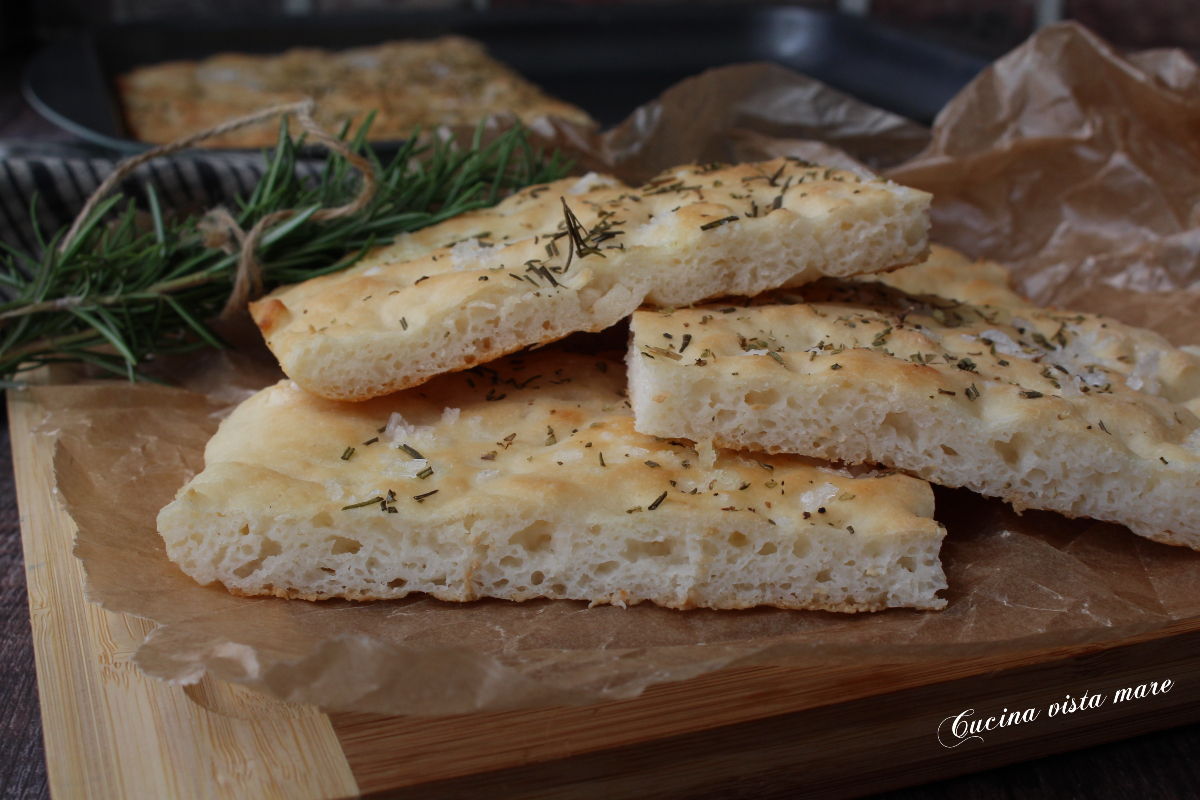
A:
(835, 731)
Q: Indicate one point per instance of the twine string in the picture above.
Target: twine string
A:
(218, 222)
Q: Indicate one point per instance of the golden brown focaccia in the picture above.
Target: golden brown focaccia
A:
(525, 479)
(948, 273)
(495, 281)
(446, 81)
(1069, 412)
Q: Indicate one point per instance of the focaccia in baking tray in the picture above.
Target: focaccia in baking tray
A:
(409, 84)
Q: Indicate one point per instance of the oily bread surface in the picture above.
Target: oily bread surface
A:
(445, 81)
(537, 486)
(1070, 412)
(492, 282)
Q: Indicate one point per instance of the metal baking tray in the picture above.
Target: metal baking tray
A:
(606, 60)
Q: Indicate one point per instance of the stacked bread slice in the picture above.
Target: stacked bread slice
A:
(462, 473)
(970, 387)
(581, 255)
(411, 452)
(525, 478)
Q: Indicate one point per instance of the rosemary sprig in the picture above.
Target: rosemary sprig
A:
(118, 294)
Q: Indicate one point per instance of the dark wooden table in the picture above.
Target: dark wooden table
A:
(1160, 765)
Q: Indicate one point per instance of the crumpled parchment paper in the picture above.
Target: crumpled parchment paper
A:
(1076, 167)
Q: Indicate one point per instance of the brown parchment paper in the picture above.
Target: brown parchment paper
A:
(1073, 165)
(1063, 160)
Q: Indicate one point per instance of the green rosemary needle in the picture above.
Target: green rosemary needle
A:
(119, 294)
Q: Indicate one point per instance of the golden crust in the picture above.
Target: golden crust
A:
(495, 281)
(446, 81)
(269, 315)
(1070, 412)
(948, 273)
(535, 460)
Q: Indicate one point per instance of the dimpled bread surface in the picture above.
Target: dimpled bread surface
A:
(529, 271)
(446, 81)
(525, 479)
(1070, 412)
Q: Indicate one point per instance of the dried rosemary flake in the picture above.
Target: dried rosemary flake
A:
(658, 502)
(835, 366)
(425, 473)
(420, 498)
(411, 451)
(1033, 394)
(972, 393)
(488, 456)
(1106, 430)
(687, 339)
(716, 223)
(653, 464)
(349, 451)
(370, 441)
(550, 439)
(364, 503)
(403, 324)
(660, 351)
(602, 460)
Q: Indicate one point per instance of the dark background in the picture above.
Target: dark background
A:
(1165, 764)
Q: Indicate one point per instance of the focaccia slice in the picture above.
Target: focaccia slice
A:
(949, 274)
(1070, 412)
(530, 271)
(407, 84)
(525, 479)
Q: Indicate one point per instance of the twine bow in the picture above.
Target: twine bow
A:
(218, 222)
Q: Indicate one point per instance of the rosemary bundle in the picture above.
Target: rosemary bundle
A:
(118, 294)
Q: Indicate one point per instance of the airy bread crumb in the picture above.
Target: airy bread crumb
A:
(1069, 412)
(525, 479)
(494, 281)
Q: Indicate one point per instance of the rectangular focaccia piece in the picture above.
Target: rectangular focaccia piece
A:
(525, 479)
(446, 81)
(949, 274)
(1069, 412)
(492, 282)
